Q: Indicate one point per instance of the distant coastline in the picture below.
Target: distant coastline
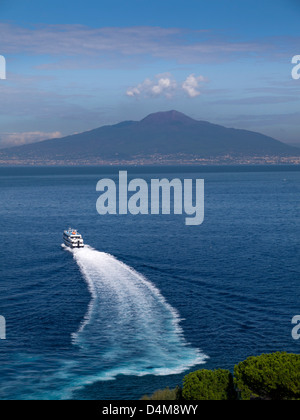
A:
(159, 161)
(44, 170)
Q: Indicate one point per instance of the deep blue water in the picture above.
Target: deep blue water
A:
(150, 299)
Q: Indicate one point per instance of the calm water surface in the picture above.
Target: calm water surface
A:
(149, 299)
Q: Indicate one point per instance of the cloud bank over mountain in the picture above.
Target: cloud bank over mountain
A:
(166, 85)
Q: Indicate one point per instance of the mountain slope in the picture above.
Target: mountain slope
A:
(162, 134)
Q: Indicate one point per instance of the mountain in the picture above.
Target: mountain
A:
(160, 137)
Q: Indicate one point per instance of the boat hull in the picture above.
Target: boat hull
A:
(73, 246)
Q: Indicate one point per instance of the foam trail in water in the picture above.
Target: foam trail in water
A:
(129, 329)
(129, 324)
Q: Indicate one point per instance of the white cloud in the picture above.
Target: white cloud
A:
(133, 91)
(163, 84)
(191, 85)
(166, 85)
(19, 139)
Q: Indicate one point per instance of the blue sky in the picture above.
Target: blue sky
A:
(74, 66)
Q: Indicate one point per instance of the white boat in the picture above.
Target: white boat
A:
(73, 239)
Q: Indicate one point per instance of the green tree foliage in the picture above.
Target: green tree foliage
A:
(269, 376)
(166, 394)
(208, 385)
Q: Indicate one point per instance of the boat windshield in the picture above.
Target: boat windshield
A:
(73, 234)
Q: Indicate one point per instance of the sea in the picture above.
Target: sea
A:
(149, 299)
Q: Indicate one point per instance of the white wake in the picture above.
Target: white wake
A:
(129, 324)
(129, 329)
